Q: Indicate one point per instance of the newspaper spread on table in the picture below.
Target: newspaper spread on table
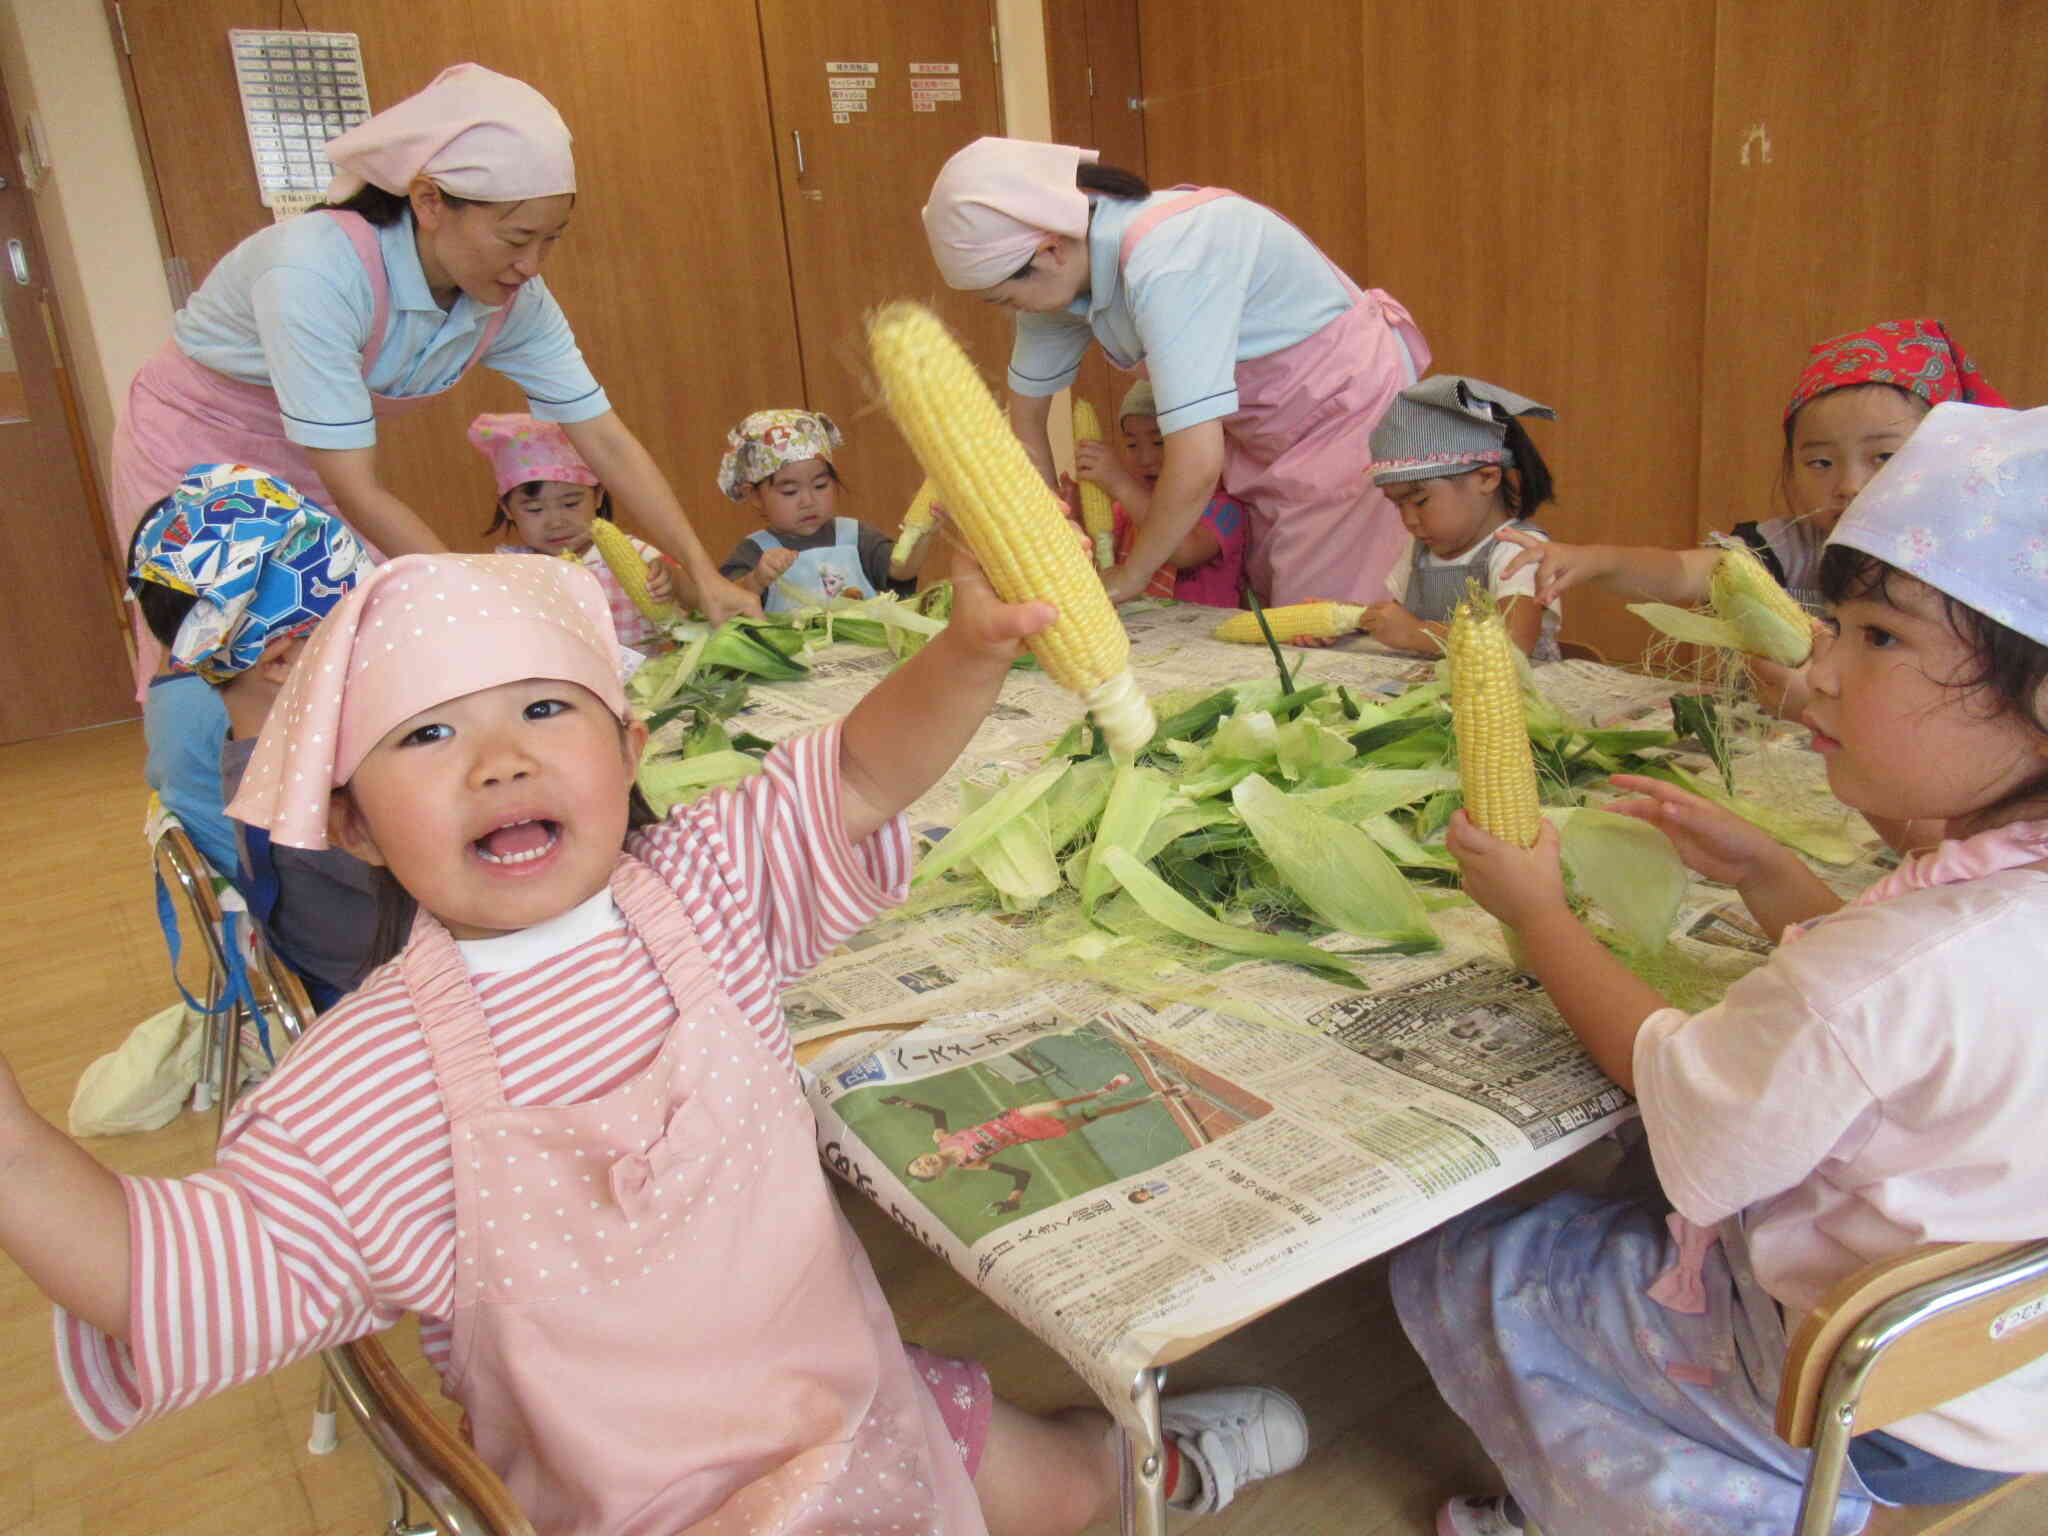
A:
(1126, 1162)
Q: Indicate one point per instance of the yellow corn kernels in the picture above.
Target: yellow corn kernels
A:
(1008, 515)
(1324, 620)
(625, 563)
(917, 517)
(1770, 623)
(1097, 516)
(1494, 761)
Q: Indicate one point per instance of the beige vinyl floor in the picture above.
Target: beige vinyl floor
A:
(83, 961)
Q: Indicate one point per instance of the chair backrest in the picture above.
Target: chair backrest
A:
(1919, 1329)
(194, 891)
(465, 1496)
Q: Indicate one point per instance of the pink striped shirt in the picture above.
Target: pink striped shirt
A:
(331, 1208)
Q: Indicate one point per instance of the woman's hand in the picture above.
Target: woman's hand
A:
(1559, 567)
(1099, 462)
(1516, 885)
(1714, 843)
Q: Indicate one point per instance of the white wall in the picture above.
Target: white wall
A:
(58, 60)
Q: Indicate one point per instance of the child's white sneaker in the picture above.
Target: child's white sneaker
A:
(1231, 1436)
(1497, 1515)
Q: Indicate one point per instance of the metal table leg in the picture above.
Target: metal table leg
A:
(1142, 1461)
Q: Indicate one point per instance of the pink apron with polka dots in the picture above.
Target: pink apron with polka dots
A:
(661, 1322)
(1297, 447)
(180, 413)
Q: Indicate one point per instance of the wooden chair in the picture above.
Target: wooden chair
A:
(1899, 1337)
(193, 903)
(419, 1455)
(1579, 650)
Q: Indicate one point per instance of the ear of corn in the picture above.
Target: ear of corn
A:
(1097, 516)
(1324, 620)
(1770, 623)
(1494, 761)
(624, 562)
(916, 519)
(1007, 514)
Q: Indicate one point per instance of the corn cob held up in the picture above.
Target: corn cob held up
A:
(1008, 515)
(916, 519)
(1771, 624)
(1495, 766)
(1096, 514)
(625, 563)
(1323, 620)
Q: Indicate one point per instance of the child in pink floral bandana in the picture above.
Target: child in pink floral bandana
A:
(548, 498)
(1874, 1086)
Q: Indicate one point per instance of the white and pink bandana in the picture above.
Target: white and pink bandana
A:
(418, 631)
(994, 203)
(472, 131)
(1963, 506)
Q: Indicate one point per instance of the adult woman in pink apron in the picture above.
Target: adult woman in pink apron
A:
(1270, 366)
(425, 263)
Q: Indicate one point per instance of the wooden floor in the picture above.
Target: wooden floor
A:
(83, 961)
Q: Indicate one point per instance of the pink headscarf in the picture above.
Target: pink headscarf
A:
(473, 132)
(418, 631)
(995, 202)
(520, 449)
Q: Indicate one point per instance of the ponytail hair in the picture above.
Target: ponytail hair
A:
(1110, 181)
(1528, 485)
(384, 209)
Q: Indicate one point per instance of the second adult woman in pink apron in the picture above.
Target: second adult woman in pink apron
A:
(426, 262)
(1270, 366)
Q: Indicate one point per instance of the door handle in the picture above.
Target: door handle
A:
(17, 260)
(797, 137)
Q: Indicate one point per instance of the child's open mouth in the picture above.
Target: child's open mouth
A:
(518, 842)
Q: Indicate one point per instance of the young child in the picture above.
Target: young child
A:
(1463, 474)
(973, 1149)
(548, 498)
(780, 463)
(1858, 400)
(1874, 1086)
(1208, 565)
(564, 1124)
(231, 572)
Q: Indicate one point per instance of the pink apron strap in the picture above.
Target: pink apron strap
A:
(1150, 219)
(362, 234)
(452, 1020)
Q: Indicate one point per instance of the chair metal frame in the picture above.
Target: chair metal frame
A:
(1971, 1285)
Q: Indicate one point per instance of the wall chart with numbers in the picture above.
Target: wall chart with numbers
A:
(299, 89)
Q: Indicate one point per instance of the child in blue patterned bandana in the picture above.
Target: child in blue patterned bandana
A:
(232, 572)
(1875, 1085)
(780, 463)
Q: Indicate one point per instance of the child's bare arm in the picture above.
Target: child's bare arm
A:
(770, 568)
(1677, 576)
(63, 1217)
(906, 733)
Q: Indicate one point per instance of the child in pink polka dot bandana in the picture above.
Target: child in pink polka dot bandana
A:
(564, 1125)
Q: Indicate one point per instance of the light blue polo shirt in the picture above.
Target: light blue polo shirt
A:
(1225, 282)
(290, 307)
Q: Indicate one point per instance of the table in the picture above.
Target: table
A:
(1273, 1128)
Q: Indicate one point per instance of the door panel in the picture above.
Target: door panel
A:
(60, 620)
(855, 238)
(1911, 185)
(1092, 64)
